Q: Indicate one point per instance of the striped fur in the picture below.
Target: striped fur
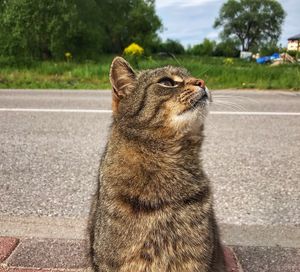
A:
(153, 208)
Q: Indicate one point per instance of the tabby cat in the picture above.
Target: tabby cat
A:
(153, 209)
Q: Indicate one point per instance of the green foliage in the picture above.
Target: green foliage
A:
(37, 29)
(269, 49)
(171, 46)
(47, 29)
(88, 41)
(252, 22)
(219, 73)
(227, 48)
(206, 48)
(125, 22)
(292, 53)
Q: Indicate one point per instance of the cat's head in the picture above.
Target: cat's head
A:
(163, 98)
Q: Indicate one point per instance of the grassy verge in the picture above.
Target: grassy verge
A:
(94, 75)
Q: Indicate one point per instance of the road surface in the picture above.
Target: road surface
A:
(51, 143)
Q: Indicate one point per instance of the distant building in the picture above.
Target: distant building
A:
(294, 43)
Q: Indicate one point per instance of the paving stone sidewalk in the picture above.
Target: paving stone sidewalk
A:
(61, 255)
(32, 254)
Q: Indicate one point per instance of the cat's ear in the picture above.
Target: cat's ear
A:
(122, 78)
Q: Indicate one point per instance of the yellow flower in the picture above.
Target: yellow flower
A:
(228, 61)
(133, 49)
(68, 56)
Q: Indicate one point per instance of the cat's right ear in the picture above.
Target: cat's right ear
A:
(122, 78)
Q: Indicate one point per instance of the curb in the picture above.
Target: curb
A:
(231, 261)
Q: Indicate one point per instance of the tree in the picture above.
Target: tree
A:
(206, 48)
(269, 49)
(89, 39)
(37, 29)
(47, 29)
(252, 22)
(171, 46)
(125, 22)
(227, 48)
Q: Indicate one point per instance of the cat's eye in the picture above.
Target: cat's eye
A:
(168, 82)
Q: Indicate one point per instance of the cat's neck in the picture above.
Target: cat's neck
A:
(177, 147)
(158, 169)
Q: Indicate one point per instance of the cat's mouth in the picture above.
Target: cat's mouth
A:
(199, 101)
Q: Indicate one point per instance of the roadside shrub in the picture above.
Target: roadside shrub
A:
(12, 61)
(269, 49)
(206, 48)
(228, 48)
(292, 53)
(172, 46)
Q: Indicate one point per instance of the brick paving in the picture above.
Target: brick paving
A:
(59, 255)
(67, 255)
(14, 269)
(7, 245)
(10, 269)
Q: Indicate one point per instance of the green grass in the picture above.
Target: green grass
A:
(94, 75)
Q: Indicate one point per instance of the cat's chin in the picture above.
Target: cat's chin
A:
(190, 119)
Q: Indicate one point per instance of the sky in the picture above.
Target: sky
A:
(190, 21)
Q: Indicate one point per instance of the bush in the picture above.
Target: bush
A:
(12, 61)
(172, 46)
(45, 30)
(228, 48)
(203, 49)
(38, 29)
(292, 53)
(269, 49)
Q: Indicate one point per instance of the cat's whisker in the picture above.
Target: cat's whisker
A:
(234, 100)
(203, 116)
(231, 105)
(235, 97)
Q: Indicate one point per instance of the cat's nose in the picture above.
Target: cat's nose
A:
(196, 82)
(199, 86)
(200, 83)
(205, 93)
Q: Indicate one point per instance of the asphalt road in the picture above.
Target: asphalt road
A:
(49, 154)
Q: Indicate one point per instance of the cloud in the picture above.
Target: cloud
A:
(180, 3)
(186, 24)
(192, 21)
(290, 26)
(213, 35)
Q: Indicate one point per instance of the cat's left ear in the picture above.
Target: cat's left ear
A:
(122, 78)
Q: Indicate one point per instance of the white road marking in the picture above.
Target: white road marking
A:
(274, 113)
(255, 113)
(54, 110)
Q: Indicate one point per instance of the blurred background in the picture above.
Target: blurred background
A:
(69, 44)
